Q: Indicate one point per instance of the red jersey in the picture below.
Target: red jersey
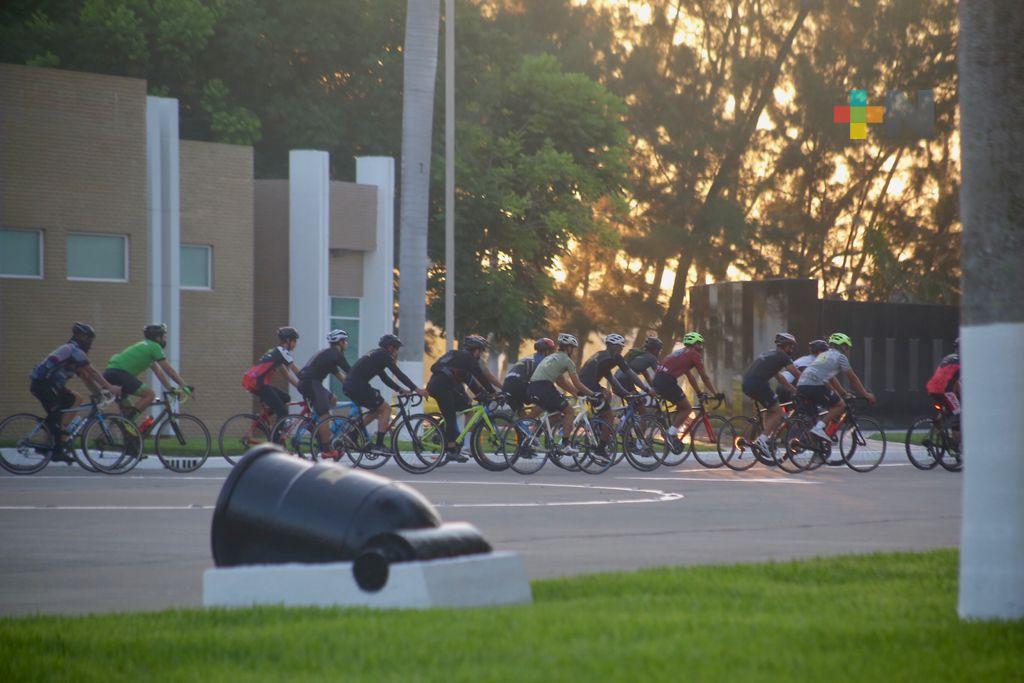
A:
(946, 375)
(683, 360)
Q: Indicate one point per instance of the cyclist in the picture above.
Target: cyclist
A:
(642, 362)
(815, 349)
(375, 364)
(670, 369)
(944, 385)
(757, 382)
(600, 366)
(517, 379)
(256, 380)
(552, 371)
(329, 361)
(815, 382)
(48, 380)
(124, 369)
(448, 374)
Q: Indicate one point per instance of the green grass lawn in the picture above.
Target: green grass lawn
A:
(866, 618)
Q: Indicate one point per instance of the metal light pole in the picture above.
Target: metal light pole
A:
(449, 174)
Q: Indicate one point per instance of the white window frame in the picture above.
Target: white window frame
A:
(127, 259)
(42, 256)
(209, 267)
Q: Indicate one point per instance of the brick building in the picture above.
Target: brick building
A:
(107, 217)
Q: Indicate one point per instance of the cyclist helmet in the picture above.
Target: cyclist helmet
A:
(544, 344)
(653, 344)
(566, 339)
(389, 340)
(783, 338)
(83, 334)
(691, 338)
(615, 340)
(154, 332)
(335, 336)
(286, 333)
(818, 346)
(840, 339)
(474, 341)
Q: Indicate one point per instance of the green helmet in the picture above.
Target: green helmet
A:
(691, 338)
(840, 339)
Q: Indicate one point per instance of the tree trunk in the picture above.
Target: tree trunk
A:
(991, 90)
(420, 73)
(671, 324)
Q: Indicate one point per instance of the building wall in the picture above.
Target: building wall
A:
(72, 158)
(270, 262)
(217, 324)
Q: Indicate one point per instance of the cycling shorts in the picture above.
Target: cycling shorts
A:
(545, 394)
(761, 391)
(518, 392)
(129, 383)
(318, 397)
(363, 395)
(818, 394)
(52, 397)
(666, 386)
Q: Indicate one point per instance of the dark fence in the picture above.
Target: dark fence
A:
(896, 346)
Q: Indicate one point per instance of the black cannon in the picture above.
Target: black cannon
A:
(275, 508)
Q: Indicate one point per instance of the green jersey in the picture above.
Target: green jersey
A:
(553, 367)
(137, 357)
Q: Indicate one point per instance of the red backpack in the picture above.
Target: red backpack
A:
(253, 377)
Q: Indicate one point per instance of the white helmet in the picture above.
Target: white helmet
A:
(335, 336)
(784, 338)
(615, 340)
(566, 339)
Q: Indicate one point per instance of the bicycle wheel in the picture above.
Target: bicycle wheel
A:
(676, 450)
(183, 443)
(735, 443)
(531, 448)
(703, 441)
(486, 444)
(595, 447)
(26, 445)
(951, 458)
(643, 442)
(342, 441)
(240, 433)
(418, 445)
(294, 433)
(112, 444)
(799, 447)
(924, 444)
(862, 444)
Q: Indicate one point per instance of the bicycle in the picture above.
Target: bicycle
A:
(181, 441)
(941, 446)
(859, 450)
(485, 429)
(243, 431)
(738, 446)
(591, 443)
(700, 435)
(637, 434)
(27, 444)
(416, 442)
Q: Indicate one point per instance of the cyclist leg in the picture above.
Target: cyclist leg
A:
(443, 390)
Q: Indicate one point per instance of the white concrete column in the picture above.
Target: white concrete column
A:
(163, 184)
(376, 315)
(309, 195)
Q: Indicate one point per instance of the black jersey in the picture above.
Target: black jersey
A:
(600, 367)
(461, 366)
(325, 362)
(767, 365)
(373, 365)
(640, 363)
(524, 367)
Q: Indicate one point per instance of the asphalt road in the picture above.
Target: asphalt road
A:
(71, 542)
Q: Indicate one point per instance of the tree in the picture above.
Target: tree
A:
(421, 29)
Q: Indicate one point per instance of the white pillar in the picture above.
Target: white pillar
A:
(163, 185)
(376, 314)
(308, 243)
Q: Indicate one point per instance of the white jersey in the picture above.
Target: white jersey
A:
(825, 367)
(800, 363)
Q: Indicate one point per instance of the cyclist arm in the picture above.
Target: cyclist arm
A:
(291, 373)
(580, 387)
(792, 370)
(486, 374)
(397, 372)
(835, 386)
(635, 378)
(565, 385)
(693, 382)
(858, 386)
(707, 380)
(171, 372)
(95, 381)
(160, 375)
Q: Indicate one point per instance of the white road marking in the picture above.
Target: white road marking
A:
(730, 480)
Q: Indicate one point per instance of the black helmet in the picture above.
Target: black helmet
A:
(389, 340)
(152, 332)
(783, 338)
(286, 333)
(653, 344)
(818, 346)
(83, 334)
(474, 341)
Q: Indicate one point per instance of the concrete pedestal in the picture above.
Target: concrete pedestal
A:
(472, 581)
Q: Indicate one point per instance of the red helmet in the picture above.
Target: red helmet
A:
(544, 344)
